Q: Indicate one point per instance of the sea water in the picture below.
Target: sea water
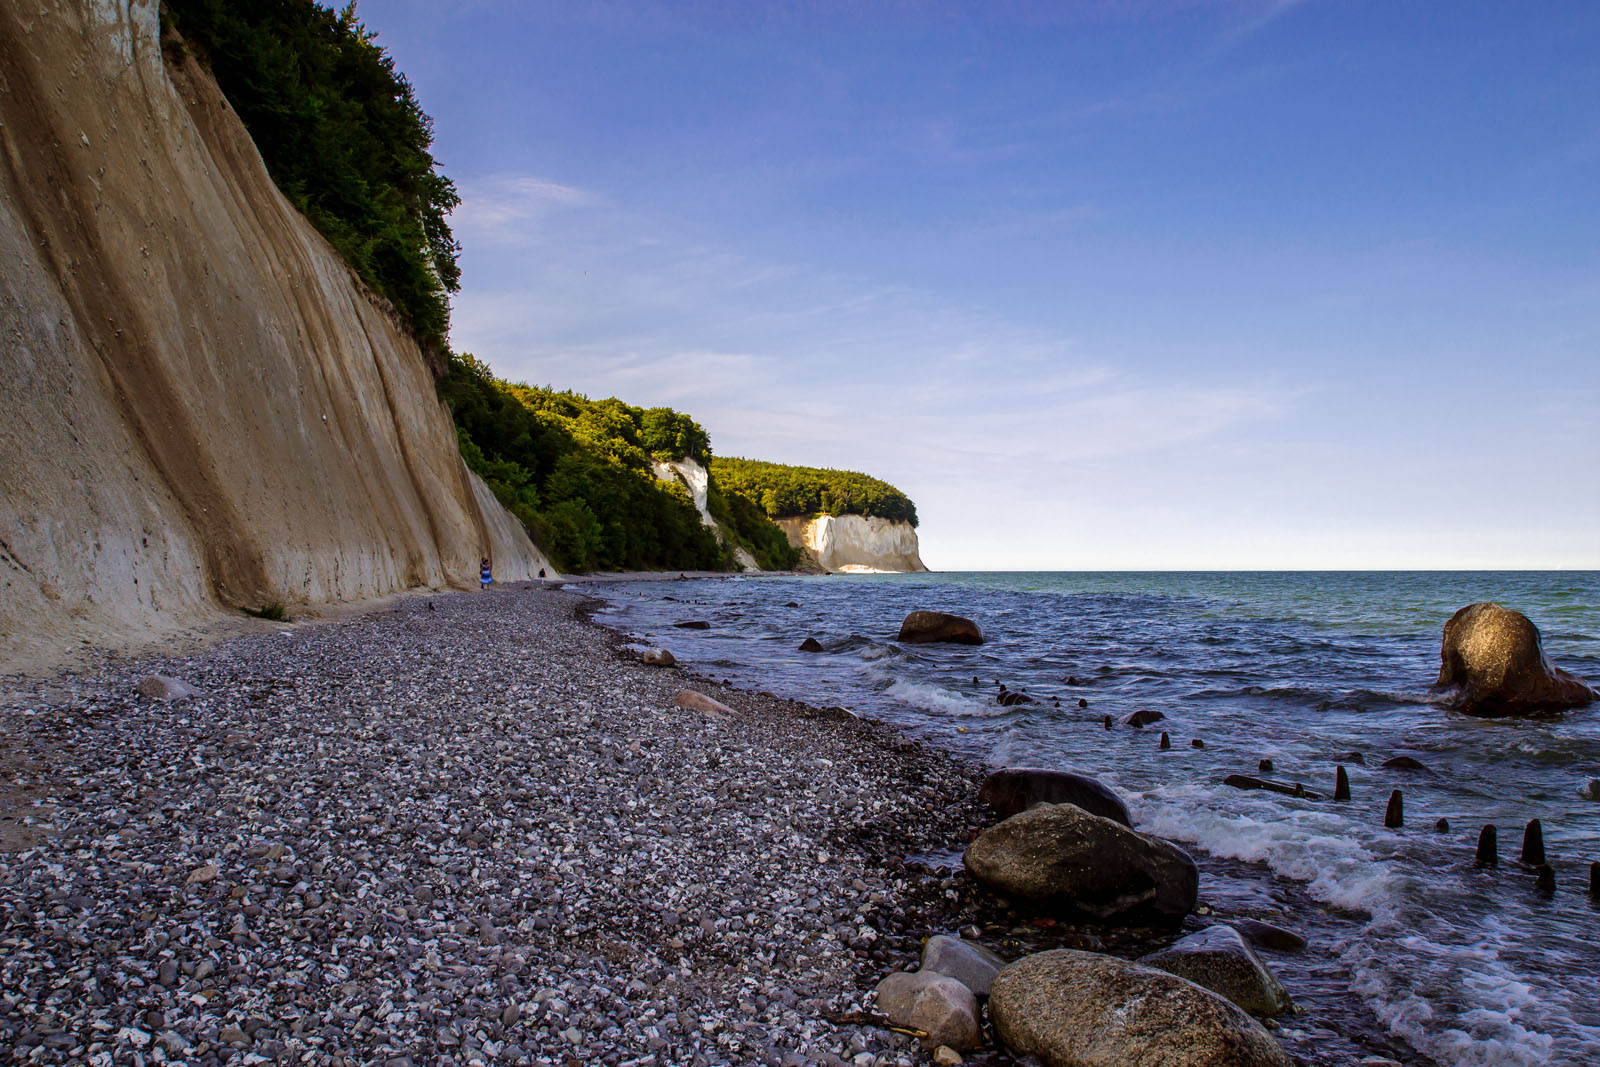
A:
(1465, 965)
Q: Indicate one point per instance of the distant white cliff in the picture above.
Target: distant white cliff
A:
(696, 479)
(856, 544)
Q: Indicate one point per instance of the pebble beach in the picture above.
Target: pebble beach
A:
(463, 828)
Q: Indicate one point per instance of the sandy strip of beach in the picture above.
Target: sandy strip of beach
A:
(462, 828)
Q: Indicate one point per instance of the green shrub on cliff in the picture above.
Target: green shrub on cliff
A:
(577, 472)
(344, 138)
(750, 527)
(783, 491)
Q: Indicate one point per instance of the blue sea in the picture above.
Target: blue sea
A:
(1462, 965)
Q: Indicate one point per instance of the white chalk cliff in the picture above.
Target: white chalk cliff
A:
(697, 480)
(856, 543)
(202, 408)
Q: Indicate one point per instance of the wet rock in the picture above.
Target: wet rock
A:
(658, 657)
(929, 627)
(972, 965)
(1219, 959)
(1403, 763)
(1060, 857)
(1268, 936)
(693, 624)
(935, 1003)
(166, 689)
(1010, 698)
(1070, 1009)
(1492, 663)
(1015, 790)
(811, 644)
(1143, 717)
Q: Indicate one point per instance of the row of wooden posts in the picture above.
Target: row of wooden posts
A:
(1488, 854)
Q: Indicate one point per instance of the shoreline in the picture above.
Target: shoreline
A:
(475, 824)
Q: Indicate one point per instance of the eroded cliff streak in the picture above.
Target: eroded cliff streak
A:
(203, 406)
(697, 480)
(856, 543)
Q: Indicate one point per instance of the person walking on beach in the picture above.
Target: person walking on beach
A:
(485, 578)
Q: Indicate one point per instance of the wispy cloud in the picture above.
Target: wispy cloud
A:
(803, 366)
(504, 208)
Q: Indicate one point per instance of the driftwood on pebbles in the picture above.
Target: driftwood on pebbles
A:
(482, 831)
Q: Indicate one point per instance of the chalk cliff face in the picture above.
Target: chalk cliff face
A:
(855, 543)
(698, 481)
(203, 407)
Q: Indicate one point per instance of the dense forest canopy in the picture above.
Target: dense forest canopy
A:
(344, 138)
(578, 473)
(783, 491)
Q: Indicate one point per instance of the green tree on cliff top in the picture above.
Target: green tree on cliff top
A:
(343, 136)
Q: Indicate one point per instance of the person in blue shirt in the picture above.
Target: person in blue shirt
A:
(485, 578)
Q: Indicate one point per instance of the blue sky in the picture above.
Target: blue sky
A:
(1099, 285)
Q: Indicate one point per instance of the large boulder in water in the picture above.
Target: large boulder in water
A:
(1493, 663)
(1077, 1009)
(929, 627)
(1016, 790)
(1060, 857)
(1218, 958)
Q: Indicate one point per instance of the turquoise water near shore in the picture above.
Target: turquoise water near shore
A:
(1466, 965)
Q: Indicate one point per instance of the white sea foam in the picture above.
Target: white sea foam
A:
(1308, 846)
(942, 701)
(1444, 989)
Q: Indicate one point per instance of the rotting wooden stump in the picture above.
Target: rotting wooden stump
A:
(1488, 848)
(1394, 817)
(1295, 789)
(1533, 844)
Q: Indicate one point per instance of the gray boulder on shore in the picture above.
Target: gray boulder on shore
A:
(940, 1006)
(1075, 1009)
(931, 627)
(1492, 663)
(968, 963)
(1015, 790)
(1058, 856)
(1219, 959)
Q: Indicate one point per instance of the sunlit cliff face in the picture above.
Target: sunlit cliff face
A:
(855, 543)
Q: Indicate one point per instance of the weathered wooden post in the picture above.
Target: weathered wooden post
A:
(1533, 844)
(1395, 816)
(1488, 848)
